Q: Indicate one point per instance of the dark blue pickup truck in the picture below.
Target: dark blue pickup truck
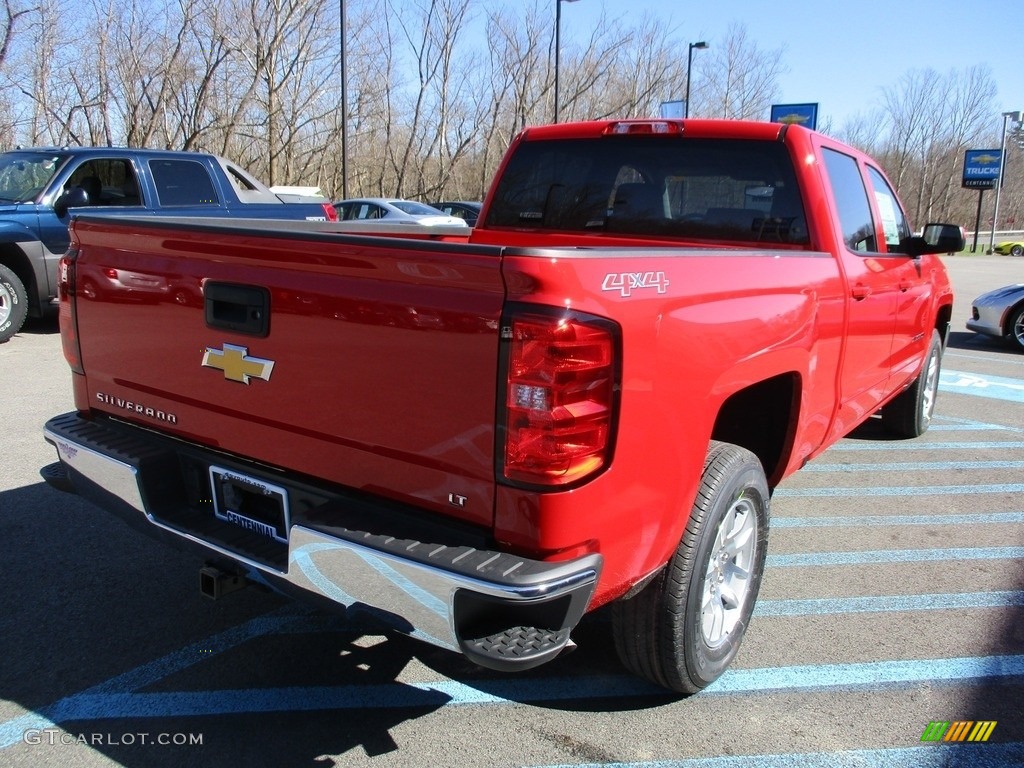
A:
(41, 187)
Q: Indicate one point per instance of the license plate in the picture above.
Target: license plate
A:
(251, 503)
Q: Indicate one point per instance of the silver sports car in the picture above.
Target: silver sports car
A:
(1000, 313)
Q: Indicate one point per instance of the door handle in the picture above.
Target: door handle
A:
(861, 292)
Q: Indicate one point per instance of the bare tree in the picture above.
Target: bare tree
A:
(931, 119)
(736, 79)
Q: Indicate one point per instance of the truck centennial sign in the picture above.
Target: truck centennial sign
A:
(981, 168)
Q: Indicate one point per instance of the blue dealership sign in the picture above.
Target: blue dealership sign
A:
(981, 168)
(796, 114)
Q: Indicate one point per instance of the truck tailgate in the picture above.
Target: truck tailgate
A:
(368, 362)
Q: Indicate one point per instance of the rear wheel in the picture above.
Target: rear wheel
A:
(1017, 250)
(683, 629)
(911, 412)
(13, 304)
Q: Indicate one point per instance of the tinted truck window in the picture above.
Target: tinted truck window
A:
(183, 182)
(852, 201)
(711, 189)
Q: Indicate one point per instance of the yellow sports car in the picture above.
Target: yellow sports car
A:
(1010, 248)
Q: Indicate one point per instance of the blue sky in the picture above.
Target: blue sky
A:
(842, 54)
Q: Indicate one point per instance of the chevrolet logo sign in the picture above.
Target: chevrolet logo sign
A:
(236, 363)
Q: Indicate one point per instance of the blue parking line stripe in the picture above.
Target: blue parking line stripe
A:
(949, 354)
(973, 427)
(817, 676)
(888, 603)
(901, 490)
(812, 559)
(504, 690)
(949, 423)
(996, 755)
(978, 385)
(871, 521)
(914, 466)
(918, 445)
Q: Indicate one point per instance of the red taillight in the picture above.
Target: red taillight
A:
(560, 399)
(330, 212)
(68, 311)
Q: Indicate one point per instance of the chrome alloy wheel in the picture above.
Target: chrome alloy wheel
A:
(931, 387)
(6, 304)
(727, 581)
(1017, 330)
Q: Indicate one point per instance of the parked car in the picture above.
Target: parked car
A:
(1010, 248)
(394, 211)
(464, 209)
(1000, 313)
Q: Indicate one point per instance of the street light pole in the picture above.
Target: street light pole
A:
(689, 64)
(1015, 116)
(344, 109)
(558, 36)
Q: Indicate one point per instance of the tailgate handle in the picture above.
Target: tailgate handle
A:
(239, 308)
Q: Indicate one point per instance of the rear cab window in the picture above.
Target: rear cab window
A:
(183, 183)
(733, 190)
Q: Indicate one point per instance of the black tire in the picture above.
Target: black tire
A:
(910, 413)
(1015, 328)
(1017, 250)
(13, 304)
(669, 632)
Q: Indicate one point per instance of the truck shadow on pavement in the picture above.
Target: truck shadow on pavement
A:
(108, 647)
(45, 326)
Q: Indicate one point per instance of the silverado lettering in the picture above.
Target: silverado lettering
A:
(587, 400)
(128, 405)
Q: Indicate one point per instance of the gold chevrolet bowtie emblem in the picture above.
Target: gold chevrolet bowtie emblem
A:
(236, 363)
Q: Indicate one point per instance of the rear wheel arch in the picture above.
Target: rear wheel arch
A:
(762, 419)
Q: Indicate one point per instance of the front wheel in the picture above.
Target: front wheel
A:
(1017, 250)
(910, 413)
(13, 304)
(1015, 328)
(683, 629)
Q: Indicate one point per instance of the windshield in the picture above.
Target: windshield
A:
(708, 189)
(23, 175)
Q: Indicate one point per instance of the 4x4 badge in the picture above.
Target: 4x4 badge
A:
(236, 363)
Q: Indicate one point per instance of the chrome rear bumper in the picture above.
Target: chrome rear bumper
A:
(502, 611)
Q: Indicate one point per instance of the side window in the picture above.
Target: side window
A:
(852, 201)
(87, 177)
(367, 211)
(183, 182)
(107, 181)
(894, 223)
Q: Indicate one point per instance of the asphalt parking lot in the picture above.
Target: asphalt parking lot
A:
(893, 600)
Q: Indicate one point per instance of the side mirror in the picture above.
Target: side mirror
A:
(936, 238)
(75, 197)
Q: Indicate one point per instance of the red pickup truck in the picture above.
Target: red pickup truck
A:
(587, 400)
